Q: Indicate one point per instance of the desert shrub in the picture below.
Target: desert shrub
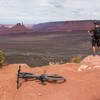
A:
(2, 58)
(75, 59)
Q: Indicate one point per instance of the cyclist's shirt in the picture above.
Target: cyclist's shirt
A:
(95, 32)
(94, 41)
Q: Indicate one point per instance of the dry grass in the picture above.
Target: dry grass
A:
(75, 59)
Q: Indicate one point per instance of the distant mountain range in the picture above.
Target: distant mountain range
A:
(56, 27)
(64, 26)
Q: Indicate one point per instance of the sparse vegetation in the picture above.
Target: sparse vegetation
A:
(76, 59)
(2, 58)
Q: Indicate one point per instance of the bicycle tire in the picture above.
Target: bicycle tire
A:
(55, 78)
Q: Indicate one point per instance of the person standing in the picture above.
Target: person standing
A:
(95, 35)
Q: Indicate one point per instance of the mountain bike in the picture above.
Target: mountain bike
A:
(43, 77)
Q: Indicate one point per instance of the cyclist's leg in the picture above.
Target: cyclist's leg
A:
(99, 48)
(93, 49)
(93, 46)
(98, 44)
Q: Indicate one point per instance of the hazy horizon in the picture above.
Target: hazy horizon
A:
(41, 22)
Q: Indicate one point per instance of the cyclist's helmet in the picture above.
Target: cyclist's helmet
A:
(96, 23)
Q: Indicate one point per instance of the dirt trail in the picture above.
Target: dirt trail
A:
(83, 84)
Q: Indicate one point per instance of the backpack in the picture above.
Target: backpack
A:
(97, 33)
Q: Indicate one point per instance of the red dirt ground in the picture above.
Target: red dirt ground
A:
(81, 84)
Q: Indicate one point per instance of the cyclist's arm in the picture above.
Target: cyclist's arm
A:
(90, 32)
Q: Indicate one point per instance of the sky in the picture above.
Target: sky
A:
(39, 11)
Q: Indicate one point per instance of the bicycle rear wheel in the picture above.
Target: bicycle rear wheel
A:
(55, 78)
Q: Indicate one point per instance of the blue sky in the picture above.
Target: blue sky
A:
(39, 11)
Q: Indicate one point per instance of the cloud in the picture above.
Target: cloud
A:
(37, 11)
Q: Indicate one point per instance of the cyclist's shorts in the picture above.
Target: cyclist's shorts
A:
(95, 42)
